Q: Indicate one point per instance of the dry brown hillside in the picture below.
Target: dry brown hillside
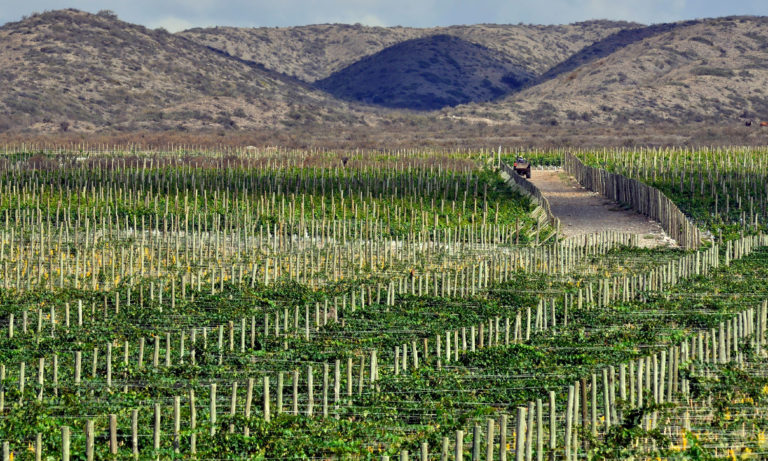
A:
(73, 70)
(709, 70)
(314, 52)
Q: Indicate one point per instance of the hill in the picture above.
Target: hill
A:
(69, 69)
(712, 70)
(314, 52)
(427, 73)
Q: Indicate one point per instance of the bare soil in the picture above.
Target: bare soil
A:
(584, 212)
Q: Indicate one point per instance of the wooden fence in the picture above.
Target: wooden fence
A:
(643, 198)
(530, 189)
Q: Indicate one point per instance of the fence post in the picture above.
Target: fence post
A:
(64, 443)
(520, 434)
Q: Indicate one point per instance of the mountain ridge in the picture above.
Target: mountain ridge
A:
(704, 71)
(427, 73)
(72, 70)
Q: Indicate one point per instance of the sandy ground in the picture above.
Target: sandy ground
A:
(585, 212)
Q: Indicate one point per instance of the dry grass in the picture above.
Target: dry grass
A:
(705, 71)
(426, 134)
(315, 52)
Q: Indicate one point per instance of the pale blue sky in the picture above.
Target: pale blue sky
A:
(181, 14)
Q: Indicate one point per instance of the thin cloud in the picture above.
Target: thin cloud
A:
(171, 24)
(179, 14)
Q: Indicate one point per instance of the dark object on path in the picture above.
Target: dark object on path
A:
(522, 167)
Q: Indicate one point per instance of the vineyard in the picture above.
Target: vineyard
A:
(413, 304)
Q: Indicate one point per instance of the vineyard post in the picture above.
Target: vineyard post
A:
(539, 430)
(325, 389)
(213, 409)
(109, 364)
(520, 441)
(569, 423)
(156, 429)
(489, 439)
(89, 440)
(606, 401)
(38, 446)
(295, 395)
(40, 378)
(64, 443)
(529, 432)
(459, 445)
(266, 399)
(310, 391)
(176, 423)
(22, 379)
(192, 422)
(552, 426)
(113, 434)
(135, 433)
(503, 438)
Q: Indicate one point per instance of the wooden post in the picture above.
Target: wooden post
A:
(64, 443)
(489, 439)
(89, 440)
(266, 399)
(569, 423)
(476, 443)
(176, 423)
(213, 409)
(113, 434)
(156, 431)
(529, 433)
(135, 433)
(325, 390)
(248, 399)
(539, 430)
(459, 446)
(310, 392)
(192, 422)
(521, 434)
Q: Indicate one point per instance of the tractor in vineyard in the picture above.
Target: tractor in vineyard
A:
(522, 167)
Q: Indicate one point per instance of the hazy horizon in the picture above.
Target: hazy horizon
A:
(175, 15)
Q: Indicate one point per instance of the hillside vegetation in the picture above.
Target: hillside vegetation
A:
(713, 70)
(427, 73)
(69, 70)
(74, 70)
(315, 52)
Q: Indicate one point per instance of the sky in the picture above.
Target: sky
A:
(175, 15)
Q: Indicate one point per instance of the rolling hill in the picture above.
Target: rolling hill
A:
(427, 73)
(69, 69)
(314, 52)
(713, 70)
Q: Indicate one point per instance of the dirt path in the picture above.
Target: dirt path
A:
(585, 212)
